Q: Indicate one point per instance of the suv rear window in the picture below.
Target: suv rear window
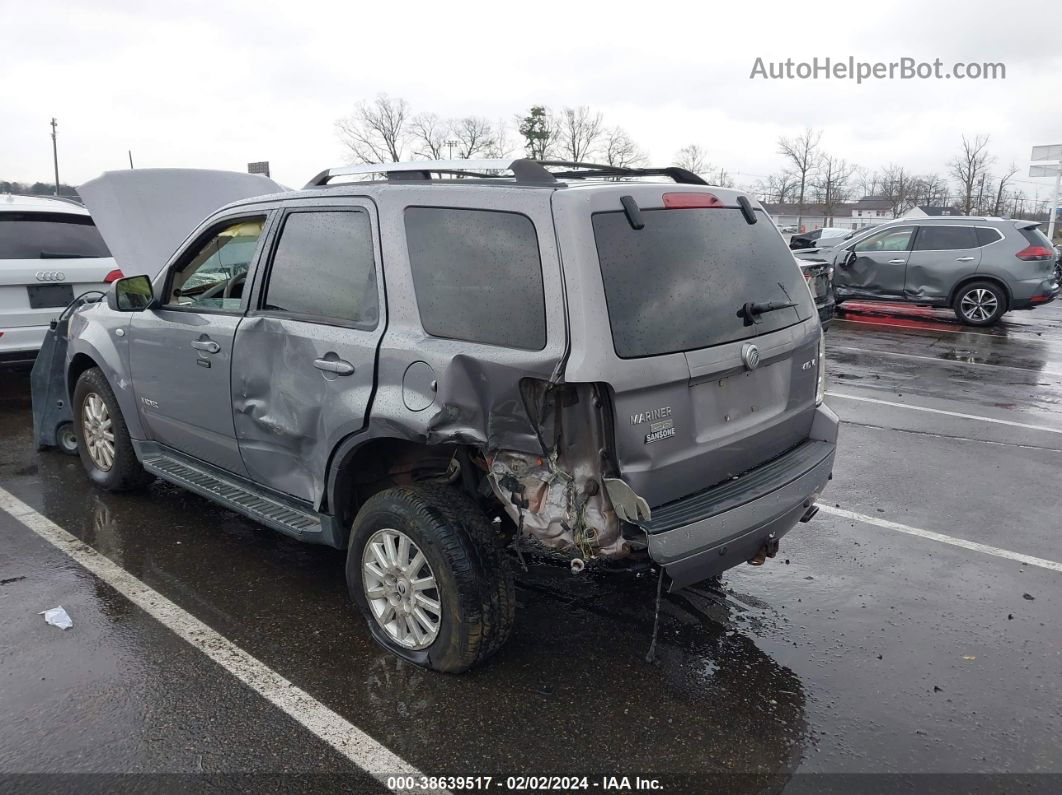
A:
(677, 284)
(1035, 237)
(49, 236)
(477, 276)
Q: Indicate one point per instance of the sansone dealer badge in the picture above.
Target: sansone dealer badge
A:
(661, 426)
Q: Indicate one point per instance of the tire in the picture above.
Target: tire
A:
(124, 472)
(66, 438)
(473, 584)
(980, 303)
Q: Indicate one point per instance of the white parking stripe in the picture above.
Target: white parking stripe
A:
(1028, 560)
(1011, 423)
(939, 360)
(343, 736)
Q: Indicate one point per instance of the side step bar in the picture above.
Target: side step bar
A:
(276, 511)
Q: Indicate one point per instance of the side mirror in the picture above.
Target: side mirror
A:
(131, 294)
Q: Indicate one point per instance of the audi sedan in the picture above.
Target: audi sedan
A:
(50, 252)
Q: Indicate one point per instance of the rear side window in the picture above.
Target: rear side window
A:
(477, 276)
(987, 236)
(1035, 237)
(945, 238)
(324, 267)
(678, 283)
(49, 236)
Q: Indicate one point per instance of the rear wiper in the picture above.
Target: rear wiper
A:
(752, 310)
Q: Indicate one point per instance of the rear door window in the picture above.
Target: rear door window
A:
(678, 283)
(477, 275)
(945, 238)
(325, 267)
(49, 236)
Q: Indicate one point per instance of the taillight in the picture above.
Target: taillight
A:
(688, 201)
(1035, 253)
(113, 276)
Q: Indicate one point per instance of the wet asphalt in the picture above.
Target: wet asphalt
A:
(859, 649)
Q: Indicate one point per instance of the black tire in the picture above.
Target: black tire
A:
(66, 438)
(125, 472)
(980, 303)
(474, 581)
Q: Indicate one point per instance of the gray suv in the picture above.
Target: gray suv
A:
(457, 365)
(979, 267)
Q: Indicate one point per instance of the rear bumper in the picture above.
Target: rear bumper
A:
(710, 532)
(20, 344)
(1046, 292)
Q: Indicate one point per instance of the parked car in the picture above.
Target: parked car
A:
(50, 252)
(545, 374)
(819, 275)
(811, 239)
(980, 267)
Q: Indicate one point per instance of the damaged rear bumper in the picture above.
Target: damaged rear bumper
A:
(710, 532)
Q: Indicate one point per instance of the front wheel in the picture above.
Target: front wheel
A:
(425, 571)
(103, 441)
(980, 304)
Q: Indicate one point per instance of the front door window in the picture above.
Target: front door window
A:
(215, 276)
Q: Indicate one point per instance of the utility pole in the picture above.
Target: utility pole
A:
(130, 158)
(55, 155)
(451, 145)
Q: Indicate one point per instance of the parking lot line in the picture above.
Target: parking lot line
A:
(339, 733)
(1029, 560)
(959, 414)
(940, 360)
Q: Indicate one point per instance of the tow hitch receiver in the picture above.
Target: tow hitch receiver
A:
(768, 550)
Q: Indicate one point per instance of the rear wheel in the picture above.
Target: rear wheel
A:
(980, 304)
(103, 441)
(425, 571)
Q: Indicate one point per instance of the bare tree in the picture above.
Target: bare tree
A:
(802, 152)
(831, 183)
(581, 130)
(620, 149)
(970, 167)
(693, 158)
(866, 182)
(475, 136)
(997, 209)
(721, 178)
(429, 134)
(897, 187)
(377, 131)
(929, 189)
(780, 188)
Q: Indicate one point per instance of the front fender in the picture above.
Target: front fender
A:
(94, 334)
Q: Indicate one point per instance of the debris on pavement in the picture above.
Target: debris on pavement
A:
(57, 617)
(1028, 596)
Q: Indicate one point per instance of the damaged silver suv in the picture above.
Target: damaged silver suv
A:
(442, 367)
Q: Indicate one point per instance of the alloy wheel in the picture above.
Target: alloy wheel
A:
(401, 589)
(978, 305)
(97, 431)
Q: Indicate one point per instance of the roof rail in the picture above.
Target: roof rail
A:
(524, 171)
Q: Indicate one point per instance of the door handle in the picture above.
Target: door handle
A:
(337, 366)
(206, 345)
(964, 259)
(897, 261)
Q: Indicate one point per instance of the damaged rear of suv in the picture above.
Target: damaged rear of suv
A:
(457, 365)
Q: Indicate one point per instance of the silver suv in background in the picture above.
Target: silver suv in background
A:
(979, 267)
(50, 252)
(458, 362)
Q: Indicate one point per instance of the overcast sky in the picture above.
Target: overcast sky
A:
(217, 84)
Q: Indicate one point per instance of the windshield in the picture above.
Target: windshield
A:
(678, 283)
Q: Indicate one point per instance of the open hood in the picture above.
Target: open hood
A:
(145, 214)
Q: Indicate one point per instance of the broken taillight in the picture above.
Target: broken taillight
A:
(687, 201)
